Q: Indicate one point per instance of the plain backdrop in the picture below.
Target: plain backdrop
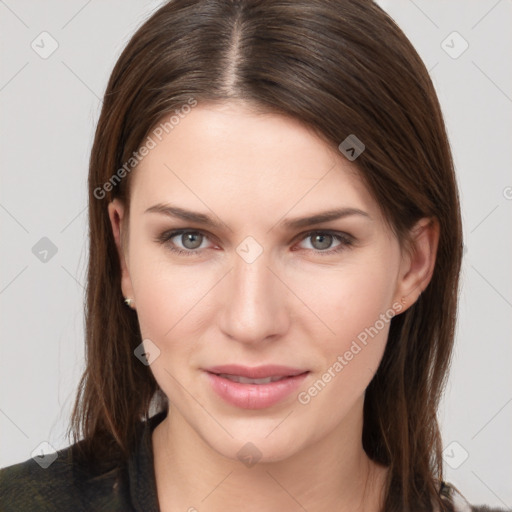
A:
(50, 104)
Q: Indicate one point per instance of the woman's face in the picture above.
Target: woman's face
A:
(246, 282)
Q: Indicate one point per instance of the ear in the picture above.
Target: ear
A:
(119, 223)
(418, 261)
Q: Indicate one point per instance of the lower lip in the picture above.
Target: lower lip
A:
(254, 396)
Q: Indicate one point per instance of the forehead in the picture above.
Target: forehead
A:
(229, 155)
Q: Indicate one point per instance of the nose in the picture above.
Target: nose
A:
(254, 306)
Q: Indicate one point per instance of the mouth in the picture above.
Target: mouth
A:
(271, 371)
(254, 388)
(246, 380)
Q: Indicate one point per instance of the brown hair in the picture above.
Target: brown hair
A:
(341, 67)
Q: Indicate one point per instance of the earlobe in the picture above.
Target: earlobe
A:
(418, 261)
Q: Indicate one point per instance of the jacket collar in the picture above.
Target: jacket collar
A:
(141, 470)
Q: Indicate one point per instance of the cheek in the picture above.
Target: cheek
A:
(354, 305)
(171, 310)
(348, 300)
(349, 358)
(175, 312)
(168, 295)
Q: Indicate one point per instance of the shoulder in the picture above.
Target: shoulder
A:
(459, 503)
(69, 482)
(61, 485)
(28, 484)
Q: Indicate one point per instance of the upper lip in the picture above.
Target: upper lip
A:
(257, 372)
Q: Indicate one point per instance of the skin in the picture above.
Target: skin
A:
(292, 305)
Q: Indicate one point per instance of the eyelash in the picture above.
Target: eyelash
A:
(344, 239)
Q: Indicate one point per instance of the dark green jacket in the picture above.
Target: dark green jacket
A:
(63, 486)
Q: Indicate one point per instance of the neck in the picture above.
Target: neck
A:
(332, 474)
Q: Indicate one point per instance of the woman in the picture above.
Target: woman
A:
(275, 246)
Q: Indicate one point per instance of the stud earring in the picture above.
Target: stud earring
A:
(128, 302)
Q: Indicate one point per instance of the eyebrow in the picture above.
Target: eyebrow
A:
(290, 224)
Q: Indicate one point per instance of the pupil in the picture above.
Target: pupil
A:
(192, 238)
(325, 241)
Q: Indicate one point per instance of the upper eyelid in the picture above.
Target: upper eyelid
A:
(171, 233)
(331, 232)
(299, 237)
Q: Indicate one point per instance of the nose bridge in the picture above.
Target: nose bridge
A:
(253, 309)
(252, 280)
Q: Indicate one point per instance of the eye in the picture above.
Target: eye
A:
(323, 240)
(191, 242)
(183, 241)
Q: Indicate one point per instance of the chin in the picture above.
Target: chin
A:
(257, 447)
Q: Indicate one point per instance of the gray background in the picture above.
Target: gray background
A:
(49, 109)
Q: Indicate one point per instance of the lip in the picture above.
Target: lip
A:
(257, 372)
(255, 396)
